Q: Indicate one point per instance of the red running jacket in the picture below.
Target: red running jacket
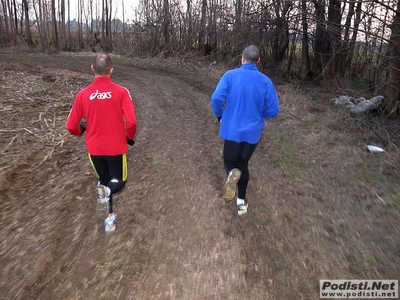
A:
(110, 117)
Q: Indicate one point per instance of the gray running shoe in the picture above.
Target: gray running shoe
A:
(230, 186)
(109, 223)
(103, 201)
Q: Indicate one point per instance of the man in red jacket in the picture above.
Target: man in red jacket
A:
(110, 127)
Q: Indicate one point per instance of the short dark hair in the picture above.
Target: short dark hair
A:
(251, 54)
(102, 64)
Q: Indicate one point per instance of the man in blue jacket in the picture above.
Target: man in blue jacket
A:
(243, 98)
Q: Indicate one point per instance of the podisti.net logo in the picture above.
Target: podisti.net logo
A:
(359, 289)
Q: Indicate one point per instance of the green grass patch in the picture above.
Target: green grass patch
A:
(287, 151)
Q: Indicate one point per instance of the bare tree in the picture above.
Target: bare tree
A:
(346, 37)
(11, 21)
(321, 42)
(189, 36)
(281, 30)
(392, 99)
(237, 29)
(69, 24)
(352, 42)
(327, 37)
(106, 41)
(13, 12)
(203, 19)
(166, 25)
(28, 34)
(4, 24)
(41, 21)
(55, 40)
(62, 23)
(306, 65)
(334, 36)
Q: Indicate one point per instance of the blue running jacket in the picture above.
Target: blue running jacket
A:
(244, 97)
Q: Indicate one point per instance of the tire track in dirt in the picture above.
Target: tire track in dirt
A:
(188, 240)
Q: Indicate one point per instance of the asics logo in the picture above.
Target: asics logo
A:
(100, 96)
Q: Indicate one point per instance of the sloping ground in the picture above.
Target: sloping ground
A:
(321, 206)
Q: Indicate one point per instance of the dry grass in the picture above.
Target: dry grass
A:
(352, 194)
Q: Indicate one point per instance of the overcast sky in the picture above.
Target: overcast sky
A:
(117, 10)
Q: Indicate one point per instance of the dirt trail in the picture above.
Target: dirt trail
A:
(176, 237)
(171, 240)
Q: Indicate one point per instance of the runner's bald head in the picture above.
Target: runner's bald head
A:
(251, 54)
(102, 64)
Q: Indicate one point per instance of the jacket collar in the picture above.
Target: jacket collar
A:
(250, 66)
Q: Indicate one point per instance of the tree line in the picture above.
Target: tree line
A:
(342, 42)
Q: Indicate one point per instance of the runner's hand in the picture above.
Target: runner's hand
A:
(131, 142)
(83, 128)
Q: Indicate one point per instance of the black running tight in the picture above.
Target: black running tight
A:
(237, 155)
(111, 171)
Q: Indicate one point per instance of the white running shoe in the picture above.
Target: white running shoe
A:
(103, 201)
(103, 192)
(230, 186)
(109, 223)
(242, 207)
